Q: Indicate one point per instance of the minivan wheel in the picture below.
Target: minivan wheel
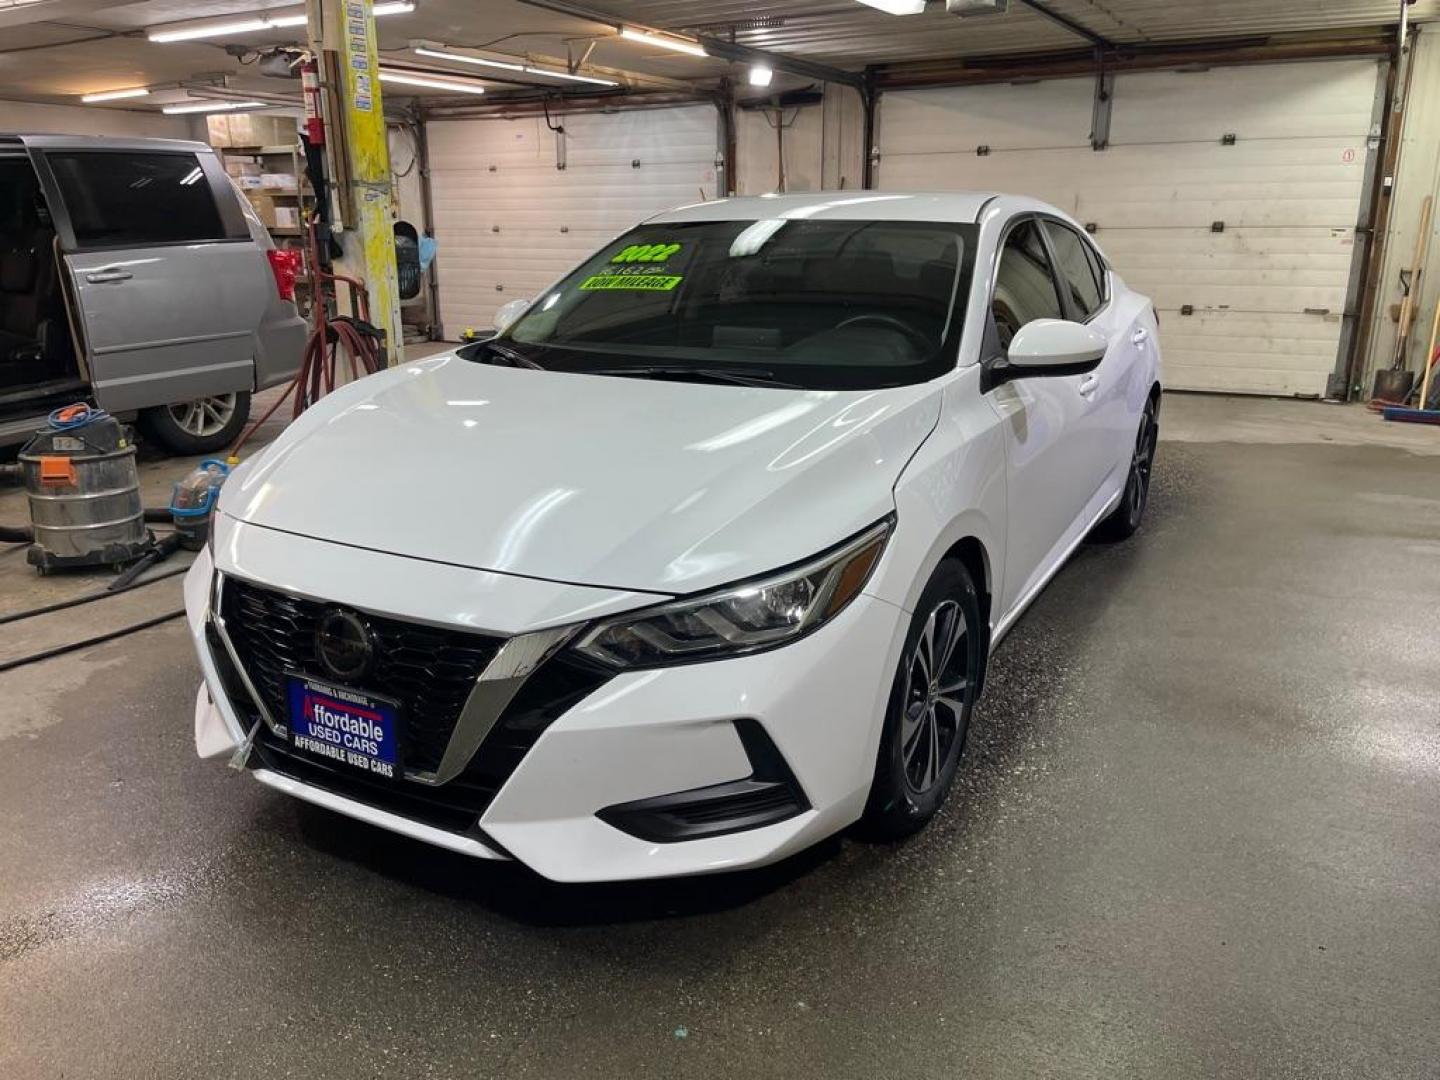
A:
(930, 705)
(202, 426)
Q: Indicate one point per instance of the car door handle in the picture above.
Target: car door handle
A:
(101, 277)
(1139, 337)
(1088, 385)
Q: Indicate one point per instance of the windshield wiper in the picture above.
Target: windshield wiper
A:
(511, 357)
(749, 377)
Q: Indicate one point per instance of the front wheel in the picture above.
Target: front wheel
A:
(930, 705)
(202, 426)
(1122, 522)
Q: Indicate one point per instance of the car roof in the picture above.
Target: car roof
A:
(956, 206)
(40, 141)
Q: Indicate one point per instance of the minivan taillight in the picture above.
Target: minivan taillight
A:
(285, 264)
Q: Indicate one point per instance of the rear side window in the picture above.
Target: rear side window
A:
(129, 198)
(1077, 272)
(1024, 286)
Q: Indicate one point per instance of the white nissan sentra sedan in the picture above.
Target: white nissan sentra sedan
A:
(702, 558)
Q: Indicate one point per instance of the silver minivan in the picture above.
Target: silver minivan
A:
(134, 274)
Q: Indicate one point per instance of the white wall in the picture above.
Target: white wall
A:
(23, 117)
(1417, 175)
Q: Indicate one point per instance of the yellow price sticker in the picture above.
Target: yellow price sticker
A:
(633, 282)
(646, 253)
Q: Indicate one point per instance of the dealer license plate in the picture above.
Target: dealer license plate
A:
(343, 725)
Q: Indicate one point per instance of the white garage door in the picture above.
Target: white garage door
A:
(509, 222)
(1267, 293)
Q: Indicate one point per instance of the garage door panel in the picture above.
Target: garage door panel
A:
(1114, 210)
(1250, 333)
(653, 136)
(1279, 101)
(1205, 376)
(1272, 299)
(509, 222)
(1248, 352)
(1287, 191)
(1048, 114)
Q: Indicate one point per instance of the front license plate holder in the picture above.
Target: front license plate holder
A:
(346, 727)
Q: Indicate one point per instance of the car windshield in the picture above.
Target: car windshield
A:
(814, 304)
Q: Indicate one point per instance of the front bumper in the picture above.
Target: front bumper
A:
(640, 735)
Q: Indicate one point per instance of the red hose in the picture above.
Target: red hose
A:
(329, 339)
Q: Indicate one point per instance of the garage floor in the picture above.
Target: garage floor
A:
(1197, 834)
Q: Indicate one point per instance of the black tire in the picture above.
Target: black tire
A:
(210, 434)
(927, 725)
(1122, 522)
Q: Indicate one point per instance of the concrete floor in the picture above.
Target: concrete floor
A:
(1197, 833)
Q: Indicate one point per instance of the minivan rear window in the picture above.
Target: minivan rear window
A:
(132, 198)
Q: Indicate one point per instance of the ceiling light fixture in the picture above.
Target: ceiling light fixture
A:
(257, 23)
(897, 7)
(114, 95)
(213, 106)
(664, 41)
(406, 79)
(525, 69)
(760, 75)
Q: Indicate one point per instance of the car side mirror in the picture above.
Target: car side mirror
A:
(508, 313)
(1048, 347)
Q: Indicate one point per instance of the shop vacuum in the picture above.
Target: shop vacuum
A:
(83, 490)
(84, 493)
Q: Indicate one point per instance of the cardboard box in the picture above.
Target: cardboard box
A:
(264, 208)
(249, 183)
(287, 217)
(260, 129)
(242, 166)
(219, 131)
(278, 181)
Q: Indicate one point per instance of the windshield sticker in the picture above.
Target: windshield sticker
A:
(647, 253)
(635, 282)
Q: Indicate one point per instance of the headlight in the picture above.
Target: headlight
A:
(743, 618)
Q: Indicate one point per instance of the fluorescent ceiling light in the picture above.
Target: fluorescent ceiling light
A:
(438, 55)
(259, 22)
(114, 95)
(525, 69)
(244, 26)
(407, 79)
(685, 45)
(897, 7)
(212, 106)
(567, 75)
(760, 75)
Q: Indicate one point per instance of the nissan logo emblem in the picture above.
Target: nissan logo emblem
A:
(343, 644)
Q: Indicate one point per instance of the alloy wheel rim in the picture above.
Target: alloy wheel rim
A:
(203, 416)
(1140, 465)
(935, 693)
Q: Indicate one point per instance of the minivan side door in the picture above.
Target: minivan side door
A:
(169, 284)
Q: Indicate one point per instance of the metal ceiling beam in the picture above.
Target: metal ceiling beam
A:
(716, 47)
(1073, 25)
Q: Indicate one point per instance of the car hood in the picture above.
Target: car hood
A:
(660, 486)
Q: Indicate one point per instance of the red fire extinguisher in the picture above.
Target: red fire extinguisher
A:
(310, 86)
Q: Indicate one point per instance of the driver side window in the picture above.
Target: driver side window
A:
(1024, 284)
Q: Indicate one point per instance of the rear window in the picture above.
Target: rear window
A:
(127, 199)
(1077, 272)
